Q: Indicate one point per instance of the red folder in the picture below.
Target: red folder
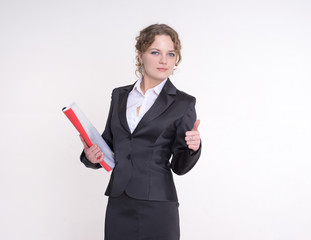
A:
(71, 115)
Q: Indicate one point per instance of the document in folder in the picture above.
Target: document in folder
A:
(90, 134)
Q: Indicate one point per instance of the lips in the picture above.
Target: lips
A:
(162, 69)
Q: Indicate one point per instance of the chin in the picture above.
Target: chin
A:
(158, 77)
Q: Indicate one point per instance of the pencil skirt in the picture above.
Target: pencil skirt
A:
(132, 219)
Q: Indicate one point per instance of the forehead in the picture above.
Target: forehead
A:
(163, 42)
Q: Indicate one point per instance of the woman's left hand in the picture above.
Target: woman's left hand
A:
(192, 138)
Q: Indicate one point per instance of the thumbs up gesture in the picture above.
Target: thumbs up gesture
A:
(192, 138)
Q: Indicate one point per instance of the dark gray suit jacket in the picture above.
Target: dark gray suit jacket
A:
(144, 158)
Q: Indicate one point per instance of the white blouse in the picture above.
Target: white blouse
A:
(137, 99)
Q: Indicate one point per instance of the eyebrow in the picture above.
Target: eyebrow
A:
(160, 50)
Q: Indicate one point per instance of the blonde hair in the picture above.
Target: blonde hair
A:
(146, 38)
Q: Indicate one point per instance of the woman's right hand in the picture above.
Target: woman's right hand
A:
(93, 153)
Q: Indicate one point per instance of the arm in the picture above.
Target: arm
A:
(91, 157)
(184, 157)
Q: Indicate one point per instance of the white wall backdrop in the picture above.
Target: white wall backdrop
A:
(247, 63)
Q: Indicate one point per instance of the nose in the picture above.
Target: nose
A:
(163, 59)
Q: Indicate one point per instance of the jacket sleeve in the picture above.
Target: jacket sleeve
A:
(183, 158)
(107, 137)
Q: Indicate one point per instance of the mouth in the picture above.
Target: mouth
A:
(162, 69)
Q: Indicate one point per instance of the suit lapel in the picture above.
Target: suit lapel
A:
(122, 107)
(164, 100)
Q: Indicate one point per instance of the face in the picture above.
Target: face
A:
(159, 59)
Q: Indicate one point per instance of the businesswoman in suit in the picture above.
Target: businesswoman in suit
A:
(152, 129)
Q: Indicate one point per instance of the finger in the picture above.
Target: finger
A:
(192, 138)
(98, 155)
(94, 148)
(192, 133)
(101, 157)
(96, 158)
(194, 147)
(196, 125)
(195, 143)
(92, 151)
(95, 152)
(191, 143)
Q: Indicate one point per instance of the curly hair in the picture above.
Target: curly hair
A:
(146, 38)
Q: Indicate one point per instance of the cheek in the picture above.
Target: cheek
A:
(173, 63)
(150, 62)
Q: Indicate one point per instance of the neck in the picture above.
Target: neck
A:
(148, 84)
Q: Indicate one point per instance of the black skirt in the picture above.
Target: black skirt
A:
(132, 219)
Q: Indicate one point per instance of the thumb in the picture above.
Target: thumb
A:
(196, 125)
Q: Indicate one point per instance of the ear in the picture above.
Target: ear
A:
(139, 56)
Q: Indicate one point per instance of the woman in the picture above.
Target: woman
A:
(148, 123)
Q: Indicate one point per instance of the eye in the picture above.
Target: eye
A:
(171, 54)
(155, 53)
